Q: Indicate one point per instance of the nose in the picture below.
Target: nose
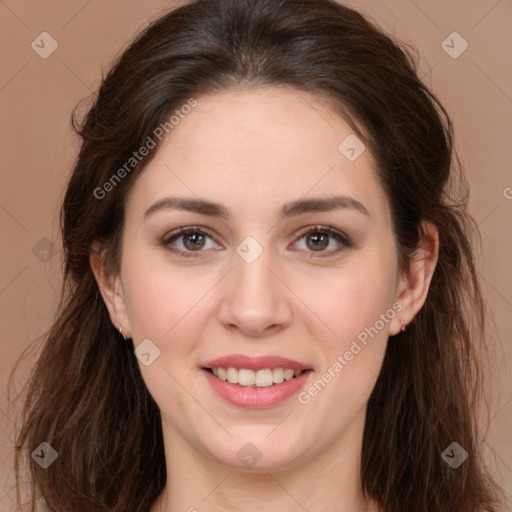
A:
(254, 299)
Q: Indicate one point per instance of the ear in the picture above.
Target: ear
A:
(413, 287)
(111, 291)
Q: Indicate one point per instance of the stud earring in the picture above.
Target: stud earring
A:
(403, 328)
(121, 333)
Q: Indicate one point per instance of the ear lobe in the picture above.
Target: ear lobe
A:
(110, 289)
(413, 287)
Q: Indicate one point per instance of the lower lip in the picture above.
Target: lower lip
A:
(256, 398)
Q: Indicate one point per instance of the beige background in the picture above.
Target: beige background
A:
(38, 148)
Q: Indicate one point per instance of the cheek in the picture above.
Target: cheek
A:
(351, 358)
(352, 299)
(161, 301)
(355, 302)
(167, 307)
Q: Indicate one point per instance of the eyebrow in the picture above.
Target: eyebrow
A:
(301, 206)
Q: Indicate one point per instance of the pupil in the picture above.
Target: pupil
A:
(195, 237)
(320, 241)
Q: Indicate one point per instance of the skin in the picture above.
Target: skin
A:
(253, 151)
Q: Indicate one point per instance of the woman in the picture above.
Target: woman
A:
(271, 298)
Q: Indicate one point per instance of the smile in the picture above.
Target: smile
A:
(255, 382)
(255, 378)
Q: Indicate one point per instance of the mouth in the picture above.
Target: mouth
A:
(256, 382)
(261, 378)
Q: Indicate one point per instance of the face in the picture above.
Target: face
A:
(288, 262)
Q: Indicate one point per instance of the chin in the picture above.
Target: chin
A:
(258, 453)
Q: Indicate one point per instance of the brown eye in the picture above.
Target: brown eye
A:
(194, 241)
(187, 241)
(322, 240)
(317, 241)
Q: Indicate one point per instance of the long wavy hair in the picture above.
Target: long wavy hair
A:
(86, 396)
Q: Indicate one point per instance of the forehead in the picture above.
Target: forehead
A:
(259, 147)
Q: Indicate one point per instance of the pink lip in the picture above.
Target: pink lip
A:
(255, 398)
(255, 363)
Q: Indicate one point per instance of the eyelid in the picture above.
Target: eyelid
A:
(187, 229)
(322, 227)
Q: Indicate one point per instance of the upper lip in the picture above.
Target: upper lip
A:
(255, 363)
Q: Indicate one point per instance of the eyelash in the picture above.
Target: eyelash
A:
(327, 230)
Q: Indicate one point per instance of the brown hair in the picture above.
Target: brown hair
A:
(86, 396)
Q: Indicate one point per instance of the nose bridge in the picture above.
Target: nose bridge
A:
(254, 300)
(253, 277)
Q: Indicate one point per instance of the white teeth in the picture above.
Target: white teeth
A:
(246, 377)
(288, 374)
(260, 378)
(232, 375)
(264, 378)
(277, 375)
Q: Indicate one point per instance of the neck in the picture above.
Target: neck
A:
(328, 480)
